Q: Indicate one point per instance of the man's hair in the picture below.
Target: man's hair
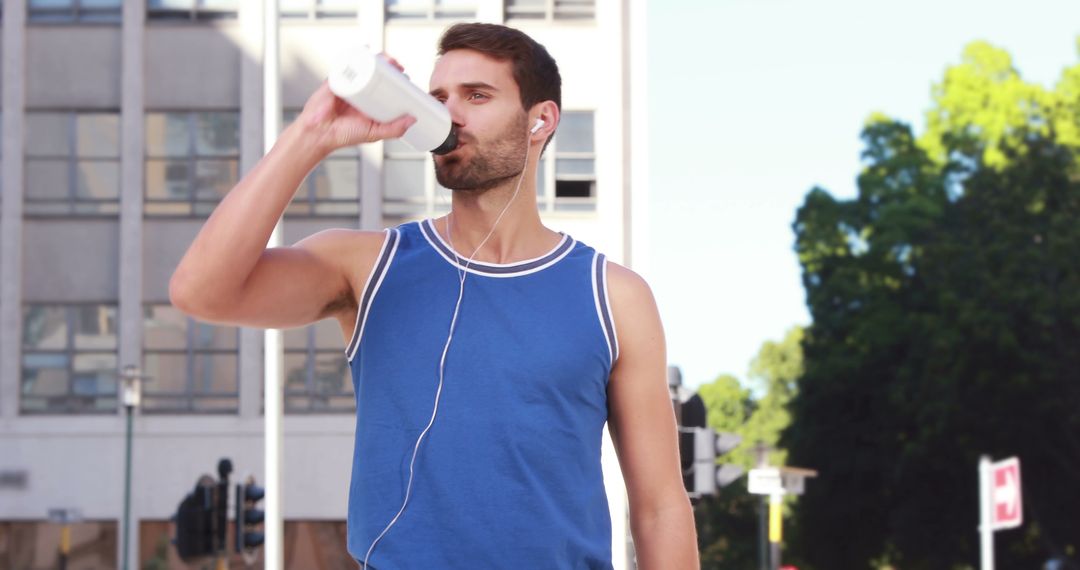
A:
(534, 69)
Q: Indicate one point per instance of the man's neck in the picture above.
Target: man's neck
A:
(518, 234)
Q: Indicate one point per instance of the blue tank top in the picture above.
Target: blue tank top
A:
(509, 474)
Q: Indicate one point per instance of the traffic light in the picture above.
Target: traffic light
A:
(698, 449)
(248, 518)
(220, 517)
(194, 522)
(700, 445)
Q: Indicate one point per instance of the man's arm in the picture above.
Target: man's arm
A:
(642, 425)
(228, 274)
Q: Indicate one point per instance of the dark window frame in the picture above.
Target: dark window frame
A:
(430, 11)
(562, 11)
(311, 394)
(71, 402)
(306, 202)
(191, 397)
(72, 205)
(194, 13)
(196, 207)
(316, 11)
(548, 197)
(74, 13)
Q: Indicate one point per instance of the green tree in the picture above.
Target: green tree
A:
(946, 323)
(728, 523)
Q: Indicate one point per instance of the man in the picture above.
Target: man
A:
(487, 351)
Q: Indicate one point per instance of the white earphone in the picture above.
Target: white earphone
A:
(463, 271)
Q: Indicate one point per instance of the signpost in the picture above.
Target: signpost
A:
(1000, 504)
(777, 482)
(65, 518)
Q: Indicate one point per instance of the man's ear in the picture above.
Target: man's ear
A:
(548, 112)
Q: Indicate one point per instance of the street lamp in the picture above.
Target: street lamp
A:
(130, 397)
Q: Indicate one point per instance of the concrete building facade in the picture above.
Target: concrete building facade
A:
(123, 123)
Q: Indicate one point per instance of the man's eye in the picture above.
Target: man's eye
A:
(476, 96)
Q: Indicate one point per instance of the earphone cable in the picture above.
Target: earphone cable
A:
(462, 273)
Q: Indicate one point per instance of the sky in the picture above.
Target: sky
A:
(754, 102)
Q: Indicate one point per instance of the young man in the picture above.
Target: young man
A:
(487, 351)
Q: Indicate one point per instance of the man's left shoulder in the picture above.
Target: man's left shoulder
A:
(624, 282)
(633, 306)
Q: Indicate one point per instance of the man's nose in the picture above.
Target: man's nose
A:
(455, 107)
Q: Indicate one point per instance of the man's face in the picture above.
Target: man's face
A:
(485, 104)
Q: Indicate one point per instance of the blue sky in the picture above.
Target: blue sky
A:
(753, 102)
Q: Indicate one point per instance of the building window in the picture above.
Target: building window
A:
(430, 9)
(72, 163)
(190, 9)
(63, 11)
(569, 184)
(69, 358)
(192, 366)
(317, 377)
(318, 9)
(192, 161)
(548, 10)
(332, 188)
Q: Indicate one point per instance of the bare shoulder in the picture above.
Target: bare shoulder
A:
(629, 291)
(637, 320)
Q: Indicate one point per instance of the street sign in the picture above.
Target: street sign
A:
(1007, 511)
(765, 481)
(778, 480)
(65, 516)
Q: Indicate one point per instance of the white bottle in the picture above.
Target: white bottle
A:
(371, 84)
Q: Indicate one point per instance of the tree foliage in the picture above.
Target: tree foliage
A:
(728, 523)
(945, 300)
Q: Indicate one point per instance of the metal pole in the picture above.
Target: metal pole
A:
(761, 452)
(130, 396)
(986, 532)
(776, 504)
(127, 488)
(65, 546)
(763, 533)
(273, 355)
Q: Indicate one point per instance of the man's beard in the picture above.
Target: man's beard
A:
(491, 164)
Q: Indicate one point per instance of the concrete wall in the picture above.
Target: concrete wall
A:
(73, 67)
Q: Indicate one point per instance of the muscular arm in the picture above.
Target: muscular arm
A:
(643, 429)
(228, 274)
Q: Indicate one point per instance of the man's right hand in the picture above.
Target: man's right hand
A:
(338, 124)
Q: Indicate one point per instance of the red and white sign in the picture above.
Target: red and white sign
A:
(1007, 509)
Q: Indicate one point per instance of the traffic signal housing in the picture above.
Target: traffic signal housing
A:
(194, 522)
(249, 518)
(700, 445)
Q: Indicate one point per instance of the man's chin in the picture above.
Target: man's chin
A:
(459, 186)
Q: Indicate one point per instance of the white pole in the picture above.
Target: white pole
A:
(986, 533)
(274, 527)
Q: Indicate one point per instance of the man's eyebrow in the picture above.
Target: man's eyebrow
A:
(479, 85)
(467, 85)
